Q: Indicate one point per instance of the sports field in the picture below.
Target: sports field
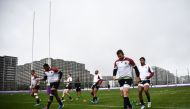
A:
(162, 98)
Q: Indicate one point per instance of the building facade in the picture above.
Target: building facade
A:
(8, 72)
(162, 76)
(77, 70)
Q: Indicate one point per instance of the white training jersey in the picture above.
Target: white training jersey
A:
(97, 77)
(52, 76)
(124, 67)
(145, 71)
(34, 81)
(69, 79)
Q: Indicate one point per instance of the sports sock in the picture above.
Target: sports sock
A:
(148, 97)
(127, 103)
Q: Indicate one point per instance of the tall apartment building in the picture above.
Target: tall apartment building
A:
(162, 76)
(77, 70)
(8, 72)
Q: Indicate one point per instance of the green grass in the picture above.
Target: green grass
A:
(162, 98)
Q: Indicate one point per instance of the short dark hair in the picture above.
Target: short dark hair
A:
(120, 52)
(142, 58)
(96, 72)
(32, 70)
(45, 65)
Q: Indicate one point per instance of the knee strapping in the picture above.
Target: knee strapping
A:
(36, 95)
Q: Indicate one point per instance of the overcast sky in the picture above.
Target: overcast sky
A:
(91, 31)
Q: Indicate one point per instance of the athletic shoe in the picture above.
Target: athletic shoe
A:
(142, 107)
(93, 102)
(149, 104)
(97, 99)
(60, 106)
(36, 104)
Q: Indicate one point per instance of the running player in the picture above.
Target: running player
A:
(53, 76)
(146, 73)
(124, 67)
(96, 85)
(78, 88)
(35, 87)
(68, 88)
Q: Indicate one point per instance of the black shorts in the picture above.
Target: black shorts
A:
(69, 86)
(78, 89)
(37, 87)
(125, 81)
(95, 86)
(144, 82)
(54, 85)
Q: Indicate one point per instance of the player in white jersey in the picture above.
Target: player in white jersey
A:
(35, 87)
(146, 73)
(53, 75)
(97, 81)
(68, 88)
(123, 68)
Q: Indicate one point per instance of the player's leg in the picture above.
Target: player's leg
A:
(140, 91)
(146, 90)
(50, 100)
(32, 93)
(63, 95)
(124, 87)
(92, 91)
(55, 93)
(93, 94)
(95, 98)
(36, 96)
(126, 97)
(69, 95)
(66, 93)
(78, 92)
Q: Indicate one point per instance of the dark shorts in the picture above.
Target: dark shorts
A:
(122, 82)
(95, 86)
(37, 87)
(78, 89)
(54, 85)
(69, 86)
(144, 82)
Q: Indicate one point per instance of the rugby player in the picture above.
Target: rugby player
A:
(53, 75)
(123, 68)
(68, 88)
(146, 73)
(35, 87)
(96, 85)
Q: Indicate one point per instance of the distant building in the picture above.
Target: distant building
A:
(162, 76)
(185, 79)
(8, 72)
(107, 80)
(67, 67)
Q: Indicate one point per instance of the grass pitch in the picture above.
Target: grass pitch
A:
(162, 98)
